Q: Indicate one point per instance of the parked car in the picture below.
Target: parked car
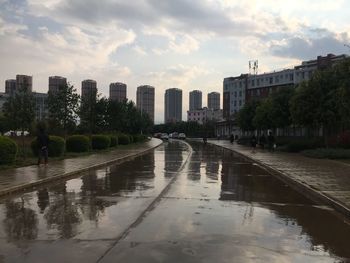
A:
(16, 133)
(174, 135)
(164, 136)
(182, 136)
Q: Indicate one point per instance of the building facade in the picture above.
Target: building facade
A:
(195, 100)
(88, 88)
(24, 82)
(3, 98)
(117, 91)
(145, 100)
(204, 115)
(234, 94)
(41, 105)
(56, 82)
(10, 86)
(214, 100)
(173, 105)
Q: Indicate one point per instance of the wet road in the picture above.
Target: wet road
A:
(179, 203)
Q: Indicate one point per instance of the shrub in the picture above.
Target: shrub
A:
(301, 144)
(139, 137)
(56, 146)
(78, 143)
(100, 142)
(8, 150)
(114, 140)
(331, 153)
(123, 139)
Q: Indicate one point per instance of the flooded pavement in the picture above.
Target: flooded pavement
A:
(215, 207)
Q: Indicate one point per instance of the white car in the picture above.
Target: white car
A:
(164, 136)
(182, 136)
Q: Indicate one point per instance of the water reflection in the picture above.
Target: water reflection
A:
(21, 222)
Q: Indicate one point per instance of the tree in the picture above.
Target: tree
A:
(88, 112)
(279, 110)
(246, 115)
(63, 107)
(262, 119)
(19, 111)
(4, 126)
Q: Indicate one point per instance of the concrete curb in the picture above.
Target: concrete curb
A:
(59, 177)
(299, 186)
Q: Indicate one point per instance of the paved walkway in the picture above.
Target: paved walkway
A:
(326, 180)
(14, 180)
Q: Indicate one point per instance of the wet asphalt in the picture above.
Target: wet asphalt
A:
(180, 203)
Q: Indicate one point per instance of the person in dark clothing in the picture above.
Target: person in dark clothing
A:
(271, 141)
(262, 141)
(253, 142)
(232, 138)
(43, 146)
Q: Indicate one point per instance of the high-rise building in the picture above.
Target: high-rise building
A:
(41, 105)
(214, 100)
(24, 82)
(56, 82)
(173, 105)
(234, 94)
(195, 100)
(117, 91)
(10, 86)
(145, 100)
(88, 87)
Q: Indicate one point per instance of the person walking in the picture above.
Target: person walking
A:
(232, 138)
(253, 142)
(43, 146)
(271, 141)
(262, 141)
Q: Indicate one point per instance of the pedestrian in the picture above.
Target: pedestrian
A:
(232, 138)
(205, 139)
(271, 141)
(253, 142)
(262, 141)
(43, 146)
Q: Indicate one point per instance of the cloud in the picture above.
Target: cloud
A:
(310, 46)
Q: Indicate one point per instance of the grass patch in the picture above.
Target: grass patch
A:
(331, 153)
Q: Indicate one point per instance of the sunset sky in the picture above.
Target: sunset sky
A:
(187, 44)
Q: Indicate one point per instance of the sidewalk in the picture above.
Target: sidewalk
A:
(326, 181)
(15, 180)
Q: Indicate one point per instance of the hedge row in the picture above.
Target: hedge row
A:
(8, 150)
(74, 143)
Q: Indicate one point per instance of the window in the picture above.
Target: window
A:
(258, 82)
(240, 103)
(235, 103)
(303, 75)
(271, 80)
(240, 84)
(253, 82)
(235, 94)
(277, 79)
(240, 93)
(291, 77)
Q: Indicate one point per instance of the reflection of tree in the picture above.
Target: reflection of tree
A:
(63, 212)
(21, 223)
(173, 156)
(43, 199)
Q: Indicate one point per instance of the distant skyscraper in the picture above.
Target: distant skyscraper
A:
(10, 86)
(145, 100)
(173, 105)
(214, 100)
(24, 82)
(117, 91)
(56, 82)
(88, 87)
(195, 100)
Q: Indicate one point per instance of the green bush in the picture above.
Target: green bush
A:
(56, 146)
(100, 142)
(139, 137)
(331, 153)
(123, 139)
(78, 143)
(301, 144)
(8, 150)
(114, 140)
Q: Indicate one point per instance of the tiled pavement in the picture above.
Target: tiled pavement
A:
(14, 180)
(326, 180)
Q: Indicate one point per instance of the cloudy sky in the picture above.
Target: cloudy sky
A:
(188, 44)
